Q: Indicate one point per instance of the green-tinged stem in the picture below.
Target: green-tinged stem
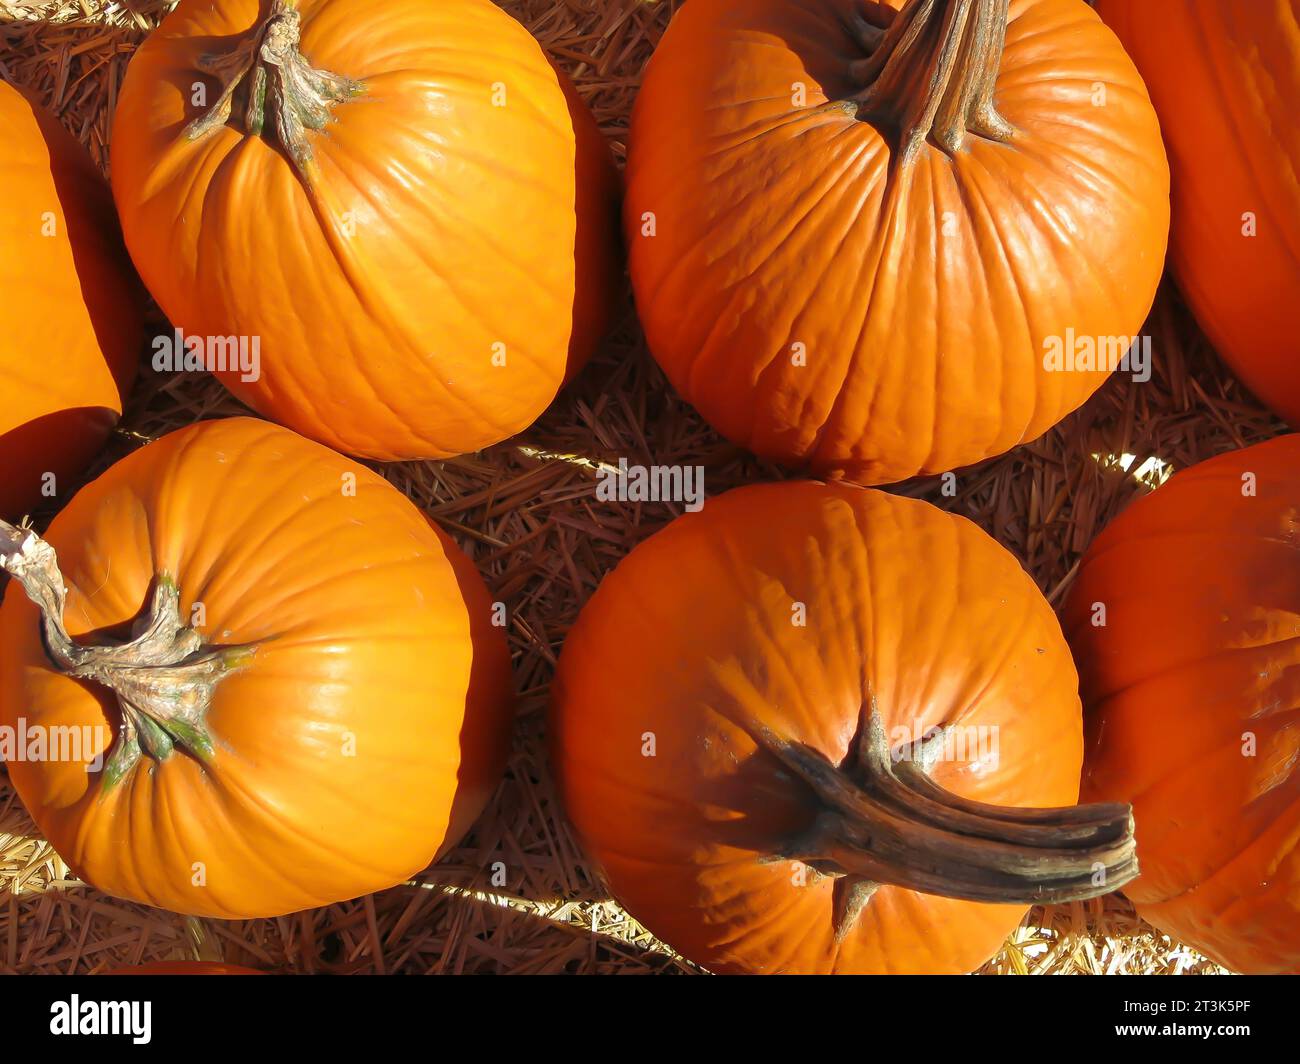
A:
(164, 677)
(267, 68)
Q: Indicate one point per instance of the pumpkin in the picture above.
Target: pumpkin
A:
(878, 247)
(1225, 80)
(69, 297)
(270, 684)
(817, 728)
(400, 205)
(1185, 622)
(186, 968)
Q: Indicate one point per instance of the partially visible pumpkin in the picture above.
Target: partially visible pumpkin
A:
(70, 309)
(413, 222)
(1185, 622)
(776, 723)
(1225, 79)
(313, 701)
(878, 253)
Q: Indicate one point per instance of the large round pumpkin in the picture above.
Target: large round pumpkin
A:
(285, 680)
(805, 730)
(70, 313)
(1225, 80)
(878, 253)
(1185, 621)
(392, 199)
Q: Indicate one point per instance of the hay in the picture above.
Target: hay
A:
(529, 517)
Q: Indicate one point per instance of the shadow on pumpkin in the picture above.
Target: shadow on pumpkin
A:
(52, 450)
(62, 442)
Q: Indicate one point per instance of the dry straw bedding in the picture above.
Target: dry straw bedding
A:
(527, 512)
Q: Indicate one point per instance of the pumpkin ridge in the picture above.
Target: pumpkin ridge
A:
(1212, 748)
(1240, 853)
(878, 249)
(860, 171)
(1256, 169)
(1011, 279)
(881, 241)
(1177, 666)
(484, 410)
(258, 799)
(373, 298)
(246, 533)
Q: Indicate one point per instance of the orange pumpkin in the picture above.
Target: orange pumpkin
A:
(405, 219)
(69, 299)
(878, 253)
(313, 701)
(1225, 80)
(835, 710)
(1185, 621)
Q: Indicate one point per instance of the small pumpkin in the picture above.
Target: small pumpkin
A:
(816, 728)
(284, 679)
(403, 203)
(879, 244)
(1185, 622)
(1225, 80)
(69, 298)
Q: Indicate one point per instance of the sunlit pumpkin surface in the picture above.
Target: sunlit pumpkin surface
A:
(830, 304)
(364, 733)
(413, 286)
(69, 308)
(1225, 79)
(789, 607)
(1192, 686)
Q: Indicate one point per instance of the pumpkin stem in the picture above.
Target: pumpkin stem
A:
(300, 96)
(164, 676)
(881, 819)
(933, 73)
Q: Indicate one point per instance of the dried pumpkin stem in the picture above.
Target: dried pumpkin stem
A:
(272, 70)
(881, 819)
(933, 73)
(164, 676)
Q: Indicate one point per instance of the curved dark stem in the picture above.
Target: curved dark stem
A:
(882, 820)
(164, 677)
(933, 73)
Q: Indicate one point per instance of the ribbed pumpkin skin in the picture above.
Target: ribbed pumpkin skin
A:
(373, 635)
(921, 304)
(439, 230)
(70, 315)
(1201, 647)
(1225, 79)
(917, 605)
